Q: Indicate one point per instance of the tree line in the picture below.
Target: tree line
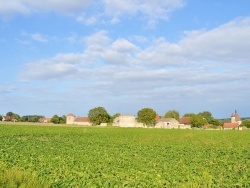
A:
(32, 118)
(147, 116)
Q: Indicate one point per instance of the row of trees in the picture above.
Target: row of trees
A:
(147, 116)
(58, 120)
(33, 118)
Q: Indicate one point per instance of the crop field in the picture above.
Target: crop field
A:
(123, 157)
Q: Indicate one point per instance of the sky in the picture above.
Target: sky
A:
(61, 57)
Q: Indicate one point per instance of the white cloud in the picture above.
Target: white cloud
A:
(98, 11)
(153, 10)
(38, 37)
(8, 8)
(48, 69)
(193, 69)
(229, 41)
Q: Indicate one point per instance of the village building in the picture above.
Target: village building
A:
(71, 119)
(126, 121)
(171, 123)
(44, 120)
(235, 122)
(184, 123)
(6, 118)
(167, 123)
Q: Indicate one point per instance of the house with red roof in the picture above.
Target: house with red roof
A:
(71, 119)
(171, 123)
(6, 118)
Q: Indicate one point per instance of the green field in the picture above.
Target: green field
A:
(124, 157)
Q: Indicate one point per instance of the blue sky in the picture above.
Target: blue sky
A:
(63, 56)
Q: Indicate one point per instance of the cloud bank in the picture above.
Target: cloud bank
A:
(202, 65)
(89, 12)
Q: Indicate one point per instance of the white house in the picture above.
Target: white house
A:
(167, 123)
(126, 121)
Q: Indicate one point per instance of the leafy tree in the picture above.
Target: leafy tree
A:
(208, 116)
(55, 119)
(172, 114)
(15, 117)
(215, 122)
(188, 115)
(24, 118)
(147, 116)
(1, 118)
(33, 119)
(245, 123)
(197, 121)
(98, 115)
(62, 119)
(9, 114)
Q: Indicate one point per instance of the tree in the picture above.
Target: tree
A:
(172, 114)
(197, 121)
(188, 115)
(24, 118)
(1, 118)
(33, 119)
(245, 123)
(9, 114)
(210, 120)
(62, 119)
(147, 116)
(55, 119)
(98, 115)
(15, 117)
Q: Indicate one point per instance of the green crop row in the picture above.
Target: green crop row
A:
(127, 157)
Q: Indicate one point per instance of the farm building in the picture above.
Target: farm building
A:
(71, 119)
(126, 121)
(167, 123)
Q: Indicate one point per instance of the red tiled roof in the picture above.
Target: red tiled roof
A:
(70, 114)
(82, 119)
(7, 117)
(157, 117)
(230, 125)
(184, 120)
(165, 119)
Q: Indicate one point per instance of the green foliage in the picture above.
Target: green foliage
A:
(131, 157)
(9, 114)
(55, 119)
(189, 115)
(147, 116)
(98, 115)
(172, 114)
(245, 123)
(210, 120)
(33, 119)
(15, 178)
(1, 118)
(58, 120)
(197, 121)
(62, 119)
